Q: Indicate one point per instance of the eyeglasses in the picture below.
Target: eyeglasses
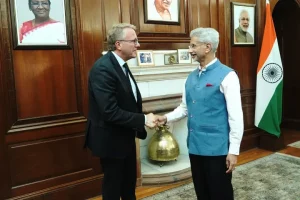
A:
(37, 4)
(135, 41)
(193, 46)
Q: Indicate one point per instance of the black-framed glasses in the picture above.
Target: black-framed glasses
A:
(37, 4)
(135, 41)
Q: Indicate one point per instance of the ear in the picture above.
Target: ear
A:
(208, 47)
(118, 45)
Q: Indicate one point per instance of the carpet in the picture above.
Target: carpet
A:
(274, 177)
(295, 144)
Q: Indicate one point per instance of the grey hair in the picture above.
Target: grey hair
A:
(117, 33)
(207, 35)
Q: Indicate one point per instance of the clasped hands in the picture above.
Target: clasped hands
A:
(155, 120)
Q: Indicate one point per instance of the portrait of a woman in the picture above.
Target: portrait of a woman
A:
(42, 29)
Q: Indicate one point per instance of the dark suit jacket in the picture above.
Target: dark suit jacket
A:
(115, 118)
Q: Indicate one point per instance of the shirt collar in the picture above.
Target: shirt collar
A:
(209, 64)
(119, 59)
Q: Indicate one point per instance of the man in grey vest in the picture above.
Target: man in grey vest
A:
(212, 102)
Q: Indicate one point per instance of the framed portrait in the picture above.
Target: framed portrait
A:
(171, 58)
(41, 24)
(243, 23)
(184, 56)
(145, 58)
(162, 11)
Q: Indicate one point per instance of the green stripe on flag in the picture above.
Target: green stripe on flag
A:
(271, 119)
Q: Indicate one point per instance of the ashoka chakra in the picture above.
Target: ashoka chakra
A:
(272, 73)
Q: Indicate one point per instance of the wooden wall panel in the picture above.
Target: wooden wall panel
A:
(56, 161)
(194, 20)
(248, 100)
(126, 7)
(244, 65)
(224, 24)
(5, 117)
(201, 13)
(112, 13)
(45, 83)
(91, 37)
(56, 157)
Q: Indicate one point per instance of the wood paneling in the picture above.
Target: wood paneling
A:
(44, 101)
(202, 13)
(91, 36)
(61, 160)
(56, 157)
(109, 8)
(223, 22)
(5, 91)
(44, 86)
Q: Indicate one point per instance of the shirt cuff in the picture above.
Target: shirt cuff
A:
(169, 117)
(145, 119)
(234, 149)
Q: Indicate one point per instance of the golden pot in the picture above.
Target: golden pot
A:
(163, 146)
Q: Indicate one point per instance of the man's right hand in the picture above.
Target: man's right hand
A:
(151, 120)
(161, 119)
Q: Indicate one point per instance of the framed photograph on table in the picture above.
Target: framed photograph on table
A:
(243, 24)
(162, 11)
(184, 56)
(171, 58)
(145, 58)
(41, 24)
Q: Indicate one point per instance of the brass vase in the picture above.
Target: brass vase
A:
(163, 146)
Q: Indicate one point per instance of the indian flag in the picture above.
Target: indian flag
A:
(268, 106)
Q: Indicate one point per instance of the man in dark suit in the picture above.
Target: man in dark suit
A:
(115, 114)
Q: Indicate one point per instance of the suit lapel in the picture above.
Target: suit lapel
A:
(125, 82)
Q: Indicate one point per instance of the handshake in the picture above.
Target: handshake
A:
(155, 120)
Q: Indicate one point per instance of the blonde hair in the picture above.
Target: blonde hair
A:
(117, 33)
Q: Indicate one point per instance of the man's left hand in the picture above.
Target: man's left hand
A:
(231, 161)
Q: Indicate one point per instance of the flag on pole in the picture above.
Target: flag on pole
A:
(268, 106)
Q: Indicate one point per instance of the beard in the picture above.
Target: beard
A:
(244, 28)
